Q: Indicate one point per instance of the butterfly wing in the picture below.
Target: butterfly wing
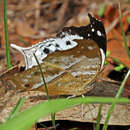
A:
(69, 72)
(70, 62)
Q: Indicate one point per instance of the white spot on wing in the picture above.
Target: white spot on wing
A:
(99, 33)
(90, 47)
(92, 29)
(103, 57)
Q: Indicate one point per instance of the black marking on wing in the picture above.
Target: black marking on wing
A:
(68, 43)
(88, 32)
(56, 45)
(46, 50)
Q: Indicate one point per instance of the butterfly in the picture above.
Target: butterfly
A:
(70, 61)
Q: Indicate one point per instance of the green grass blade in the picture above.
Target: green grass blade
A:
(27, 118)
(119, 62)
(53, 120)
(46, 89)
(6, 36)
(101, 10)
(16, 108)
(128, 19)
(107, 55)
(125, 79)
(97, 126)
(42, 77)
(119, 68)
(123, 32)
(115, 101)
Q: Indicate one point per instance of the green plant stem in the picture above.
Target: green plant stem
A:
(16, 108)
(101, 10)
(97, 127)
(119, 62)
(53, 114)
(123, 32)
(42, 77)
(125, 79)
(6, 36)
(115, 101)
(53, 120)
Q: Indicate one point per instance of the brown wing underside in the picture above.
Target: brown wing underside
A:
(68, 72)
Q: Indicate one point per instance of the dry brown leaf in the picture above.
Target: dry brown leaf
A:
(116, 47)
(23, 29)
